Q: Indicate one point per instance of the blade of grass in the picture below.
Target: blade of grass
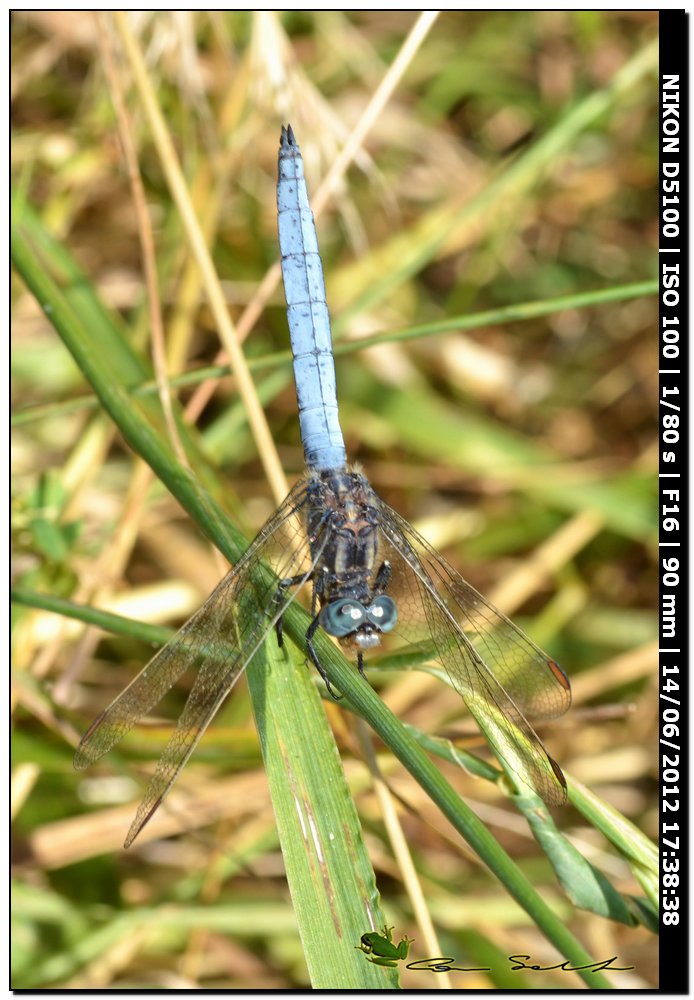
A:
(627, 838)
(157, 635)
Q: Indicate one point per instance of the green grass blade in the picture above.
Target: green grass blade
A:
(634, 845)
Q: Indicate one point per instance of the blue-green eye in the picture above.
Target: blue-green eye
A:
(342, 617)
(383, 613)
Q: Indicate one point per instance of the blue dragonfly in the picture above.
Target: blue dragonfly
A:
(372, 579)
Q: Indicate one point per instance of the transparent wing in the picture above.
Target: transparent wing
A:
(534, 681)
(218, 641)
(501, 674)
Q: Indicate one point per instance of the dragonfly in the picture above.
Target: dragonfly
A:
(372, 579)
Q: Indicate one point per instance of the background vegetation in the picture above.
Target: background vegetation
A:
(514, 164)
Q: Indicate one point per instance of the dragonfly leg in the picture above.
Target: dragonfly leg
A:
(325, 517)
(311, 650)
(284, 585)
(319, 588)
(382, 578)
(360, 665)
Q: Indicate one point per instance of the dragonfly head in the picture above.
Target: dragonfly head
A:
(360, 624)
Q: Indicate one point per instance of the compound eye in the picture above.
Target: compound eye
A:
(383, 613)
(342, 617)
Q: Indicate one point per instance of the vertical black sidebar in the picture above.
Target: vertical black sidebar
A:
(674, 500)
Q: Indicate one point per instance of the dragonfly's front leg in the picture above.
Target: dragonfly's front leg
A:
(360, 664)
(318, 593)
(318, 590)
(283, 586)
(311, 650)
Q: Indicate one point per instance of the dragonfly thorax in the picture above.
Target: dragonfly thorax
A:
(349, 577)
(343, 531)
